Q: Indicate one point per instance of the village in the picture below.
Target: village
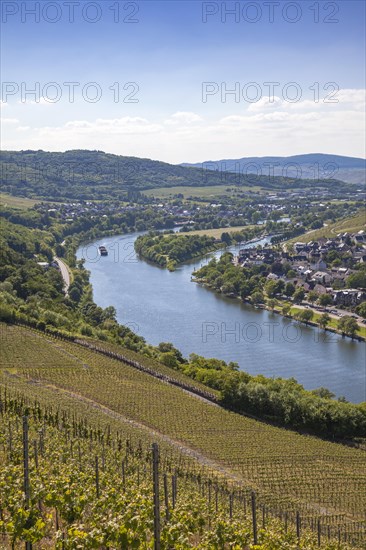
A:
(323, 267)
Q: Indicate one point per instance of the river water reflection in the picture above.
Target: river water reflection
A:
(164, 306)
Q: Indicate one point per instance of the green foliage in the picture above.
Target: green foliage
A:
(312, 296)
(121, 515)
(305, 315)
(299, 295)
(348, 325)
(224, 277)
(361, 310)
(357, 280)
(325, 300)
(83, 174)
(324, 320)
(289, 289)
(168, 250)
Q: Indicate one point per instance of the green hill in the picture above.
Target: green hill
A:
(348, 169)
(88, 175)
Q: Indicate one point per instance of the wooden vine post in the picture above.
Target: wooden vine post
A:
(155, 463)
(254, 518)
(28, 545)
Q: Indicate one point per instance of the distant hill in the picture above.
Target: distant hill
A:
(348, 169)
(87, 175)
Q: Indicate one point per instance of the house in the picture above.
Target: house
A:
(318, 264)
(360, 256)
(321, 277)
(299, 246)
(360, 237)
(320, 289)
(340, 273)
(349, 297)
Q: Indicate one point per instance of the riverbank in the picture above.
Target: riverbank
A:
(291, 313)
(161, 306)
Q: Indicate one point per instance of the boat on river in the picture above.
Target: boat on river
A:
(103, 251)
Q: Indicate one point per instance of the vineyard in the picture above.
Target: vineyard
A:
(224, 480)
(351, 225)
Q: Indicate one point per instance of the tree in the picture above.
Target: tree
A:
(299, 295)
(277, 268)
(275, 215)
(286, 309)
(357, 280)
(167, 347)
(313, 296)
(324, 320)
(337, 262)
(110, 313)
(291, 274)
(361, 310)
(226, 238)
(271, 304)
(289, 289)
(325, 300)
(348, 325)
(257, 297)
(256, 216)
(169, 360)
(75, 294)
(270, 288)
(324, 393)
(305, 315)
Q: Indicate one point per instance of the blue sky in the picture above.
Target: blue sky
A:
(168, 53)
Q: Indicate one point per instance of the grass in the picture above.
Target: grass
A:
(21, 203)
(218, 232)
(208, 192)
(288, 470)
(347, 225)
(333, 323)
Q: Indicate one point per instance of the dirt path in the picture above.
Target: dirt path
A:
(181, 446)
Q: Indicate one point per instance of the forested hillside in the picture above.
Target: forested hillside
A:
(82, 175)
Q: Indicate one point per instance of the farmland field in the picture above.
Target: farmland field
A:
(348, 225)
(208, 192)
(89, 486)
(289, 471)
(21, 203)
(218, 232)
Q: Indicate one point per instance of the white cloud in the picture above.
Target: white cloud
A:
(102, 127)
(266, 102)
(354, 99)
(183, 118)
(9, 121)
(41, 101)
(276, 129)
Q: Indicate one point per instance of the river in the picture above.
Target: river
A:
(164, 306)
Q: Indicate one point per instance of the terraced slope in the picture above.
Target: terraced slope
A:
(289, 471)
